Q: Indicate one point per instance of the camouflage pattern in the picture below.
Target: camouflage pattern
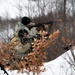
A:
(32, 32)
(19, 26)
(22, 48)
(19, 46)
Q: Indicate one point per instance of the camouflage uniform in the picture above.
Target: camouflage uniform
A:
(19, 26)
(32, 32)
(19, 46)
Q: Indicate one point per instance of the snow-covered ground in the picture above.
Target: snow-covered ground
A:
(62, 65)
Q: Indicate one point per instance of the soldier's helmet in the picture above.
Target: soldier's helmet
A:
(25, 20)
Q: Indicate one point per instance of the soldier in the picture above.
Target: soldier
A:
(24, 24)
(22, 32)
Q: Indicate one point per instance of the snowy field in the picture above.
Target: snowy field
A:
(62, 65)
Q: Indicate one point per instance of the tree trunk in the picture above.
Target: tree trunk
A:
(64, 13)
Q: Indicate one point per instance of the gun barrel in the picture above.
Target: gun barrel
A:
(42, 24)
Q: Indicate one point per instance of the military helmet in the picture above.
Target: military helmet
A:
(25, 20)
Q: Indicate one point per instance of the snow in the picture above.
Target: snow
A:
(62, 65)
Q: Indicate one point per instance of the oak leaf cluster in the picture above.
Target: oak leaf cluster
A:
(34, 60)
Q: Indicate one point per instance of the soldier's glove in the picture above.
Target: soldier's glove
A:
(22, 32)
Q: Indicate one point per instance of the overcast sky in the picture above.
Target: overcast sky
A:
(6, 7)
(9, 7)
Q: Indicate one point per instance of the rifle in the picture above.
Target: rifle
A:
(50, 23)
(41, 24)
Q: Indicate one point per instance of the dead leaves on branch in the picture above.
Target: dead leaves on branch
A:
(34, 60)
(67, 41)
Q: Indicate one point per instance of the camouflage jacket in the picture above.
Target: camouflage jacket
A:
(19, 46)
(32, 32)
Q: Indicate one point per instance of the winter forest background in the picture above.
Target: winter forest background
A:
(42, 11)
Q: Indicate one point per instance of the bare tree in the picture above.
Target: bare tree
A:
(5, 33)
(64, 12)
